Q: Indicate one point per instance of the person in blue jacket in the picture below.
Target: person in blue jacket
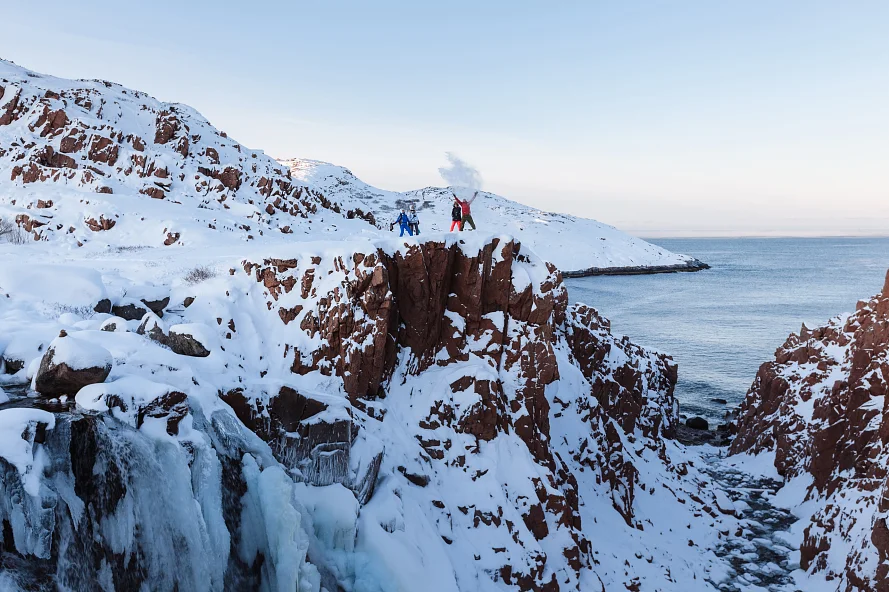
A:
(404, 222)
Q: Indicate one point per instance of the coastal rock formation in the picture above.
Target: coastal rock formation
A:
(432, 404)
(820, 407)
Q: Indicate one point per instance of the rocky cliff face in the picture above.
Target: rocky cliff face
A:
(369, 416)
(458, 350)
(820, 407)
(78, 156)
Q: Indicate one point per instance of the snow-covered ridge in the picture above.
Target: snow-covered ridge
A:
(577, 246)
(369, 415)
(91, 161)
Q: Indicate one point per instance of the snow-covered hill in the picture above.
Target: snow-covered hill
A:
(91, 161)
(359, 415)
(573, 244)
(198, 394)
(81, 157)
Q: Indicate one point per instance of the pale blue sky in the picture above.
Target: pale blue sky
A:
(662, 118)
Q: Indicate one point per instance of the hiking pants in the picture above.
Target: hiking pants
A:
(408, 228)
(415, 229)
(467, 218)
(458, 224)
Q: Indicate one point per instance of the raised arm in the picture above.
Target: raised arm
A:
(472, 199)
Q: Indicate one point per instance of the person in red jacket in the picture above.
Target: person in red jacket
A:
(465, 209)
(456, 217)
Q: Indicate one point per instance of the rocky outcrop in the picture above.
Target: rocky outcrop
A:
(496, 321)
(183, 340)
(820, 407)
(690, 265)
(69, 365)
(439, 398)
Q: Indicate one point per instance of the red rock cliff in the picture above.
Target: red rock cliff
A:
(821, 407)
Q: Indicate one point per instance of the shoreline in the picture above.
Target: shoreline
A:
(693, 265)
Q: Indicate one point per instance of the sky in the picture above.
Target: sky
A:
(680, 118)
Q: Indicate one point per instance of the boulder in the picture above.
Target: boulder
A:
(113, 324)
(153, 328)
(157, 306)
(130, 310)
(697, 423)
(172, 407)
(190, 340)
(70, 364)
(12, 365)
(103, 306)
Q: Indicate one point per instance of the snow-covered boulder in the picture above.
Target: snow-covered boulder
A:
(114, 325)
(69, 364)
(37, 282)
(130, 309)
(154, 328)
(191, 339)
(133, 399)
(22, 348)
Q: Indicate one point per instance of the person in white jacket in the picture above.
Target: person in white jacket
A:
(414, 221)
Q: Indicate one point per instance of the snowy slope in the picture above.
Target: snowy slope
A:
(81, 158)
(508, 443)
(298, 400)
(91, 161)
(570, 242)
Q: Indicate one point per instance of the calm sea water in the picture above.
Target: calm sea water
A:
(721, 324)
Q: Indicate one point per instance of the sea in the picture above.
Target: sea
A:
(721, 324)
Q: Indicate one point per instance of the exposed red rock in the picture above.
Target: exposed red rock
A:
(821, 407)
(399, 310)
(101, 224)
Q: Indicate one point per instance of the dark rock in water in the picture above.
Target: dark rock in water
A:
(697, 423)
(129, 312)
(157, 306)
(720, 401)
(56, 377)
(103, 306)
(186, 345)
